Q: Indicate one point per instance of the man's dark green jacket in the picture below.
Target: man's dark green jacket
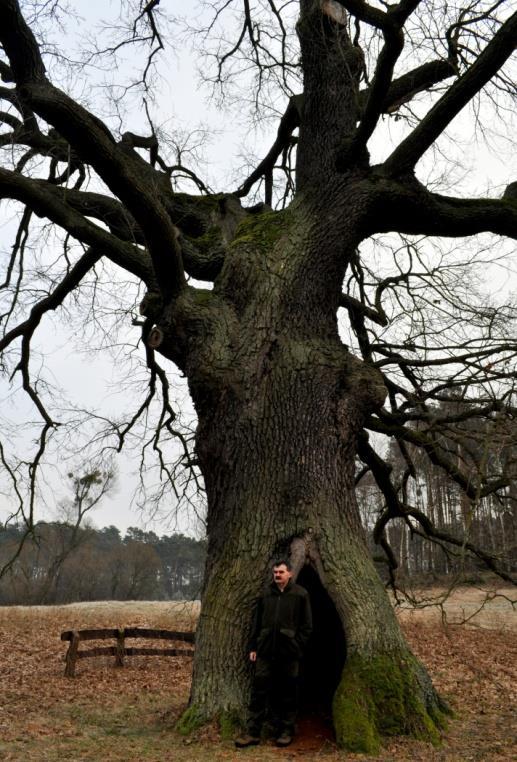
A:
(282, 624)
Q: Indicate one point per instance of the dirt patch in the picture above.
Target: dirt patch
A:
(129, 713)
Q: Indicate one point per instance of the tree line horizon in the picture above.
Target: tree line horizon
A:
(62, 564)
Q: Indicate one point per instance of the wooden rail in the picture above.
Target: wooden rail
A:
(119, 651)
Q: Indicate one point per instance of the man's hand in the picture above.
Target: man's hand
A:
(253, 656)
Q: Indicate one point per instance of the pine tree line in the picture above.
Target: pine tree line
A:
(480, 448)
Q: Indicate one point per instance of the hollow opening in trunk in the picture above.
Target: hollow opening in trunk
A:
(325, 656)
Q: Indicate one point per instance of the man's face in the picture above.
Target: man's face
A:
(281, 575)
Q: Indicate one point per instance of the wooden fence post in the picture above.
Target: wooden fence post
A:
(119, 659)
(71, 655)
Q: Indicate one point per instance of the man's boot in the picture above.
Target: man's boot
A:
(284, 739)
(247, 739)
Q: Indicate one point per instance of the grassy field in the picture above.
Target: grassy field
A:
(129, 713)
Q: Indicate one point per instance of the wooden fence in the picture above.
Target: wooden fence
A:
(119, 651)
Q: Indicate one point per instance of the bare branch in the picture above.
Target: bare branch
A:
(53, 300)
(96, 145)
(50, 201)
(348, 302)
(495, 54)
(366, 13)
(396, 508)
(288, 123)
(429, 442)
(410, 208)
(405, 87)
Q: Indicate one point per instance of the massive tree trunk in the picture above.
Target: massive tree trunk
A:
(280, 402)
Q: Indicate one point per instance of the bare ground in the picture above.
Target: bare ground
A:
(129, 713)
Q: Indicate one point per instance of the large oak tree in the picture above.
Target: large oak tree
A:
(284, 406)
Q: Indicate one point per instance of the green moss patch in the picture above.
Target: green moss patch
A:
(191, 719)
(207, 242)
(383, 696)
(229, 725)
(262, 230)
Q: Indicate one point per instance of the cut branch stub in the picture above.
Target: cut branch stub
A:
(155, 337)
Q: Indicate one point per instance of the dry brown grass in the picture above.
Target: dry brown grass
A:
(129, 714)
(489, 607)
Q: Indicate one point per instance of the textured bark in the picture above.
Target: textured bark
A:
(280, 402)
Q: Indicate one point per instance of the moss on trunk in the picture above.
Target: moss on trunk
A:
(385, 696)
(191, 719)
(230, 722)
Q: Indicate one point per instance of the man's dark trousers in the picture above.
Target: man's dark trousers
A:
(275, 684)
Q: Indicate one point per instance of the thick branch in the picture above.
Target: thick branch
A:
(203, 260)
(366, 13)
(51, 145)
(496, 53)
(348, 302)
(205, 225)
(404, 88)
(202, 253)
(95, 144)
(48, 201)
(289, 122)
(377, 94)
(394, 43)
(26, 64)
(107, 210)
(393, 46)
(408, 207)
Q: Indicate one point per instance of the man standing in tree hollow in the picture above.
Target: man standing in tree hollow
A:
(281, 628)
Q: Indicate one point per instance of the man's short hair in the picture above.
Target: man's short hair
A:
(283, 562)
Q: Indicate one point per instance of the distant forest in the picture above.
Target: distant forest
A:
(63, 563)
(489, 522)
